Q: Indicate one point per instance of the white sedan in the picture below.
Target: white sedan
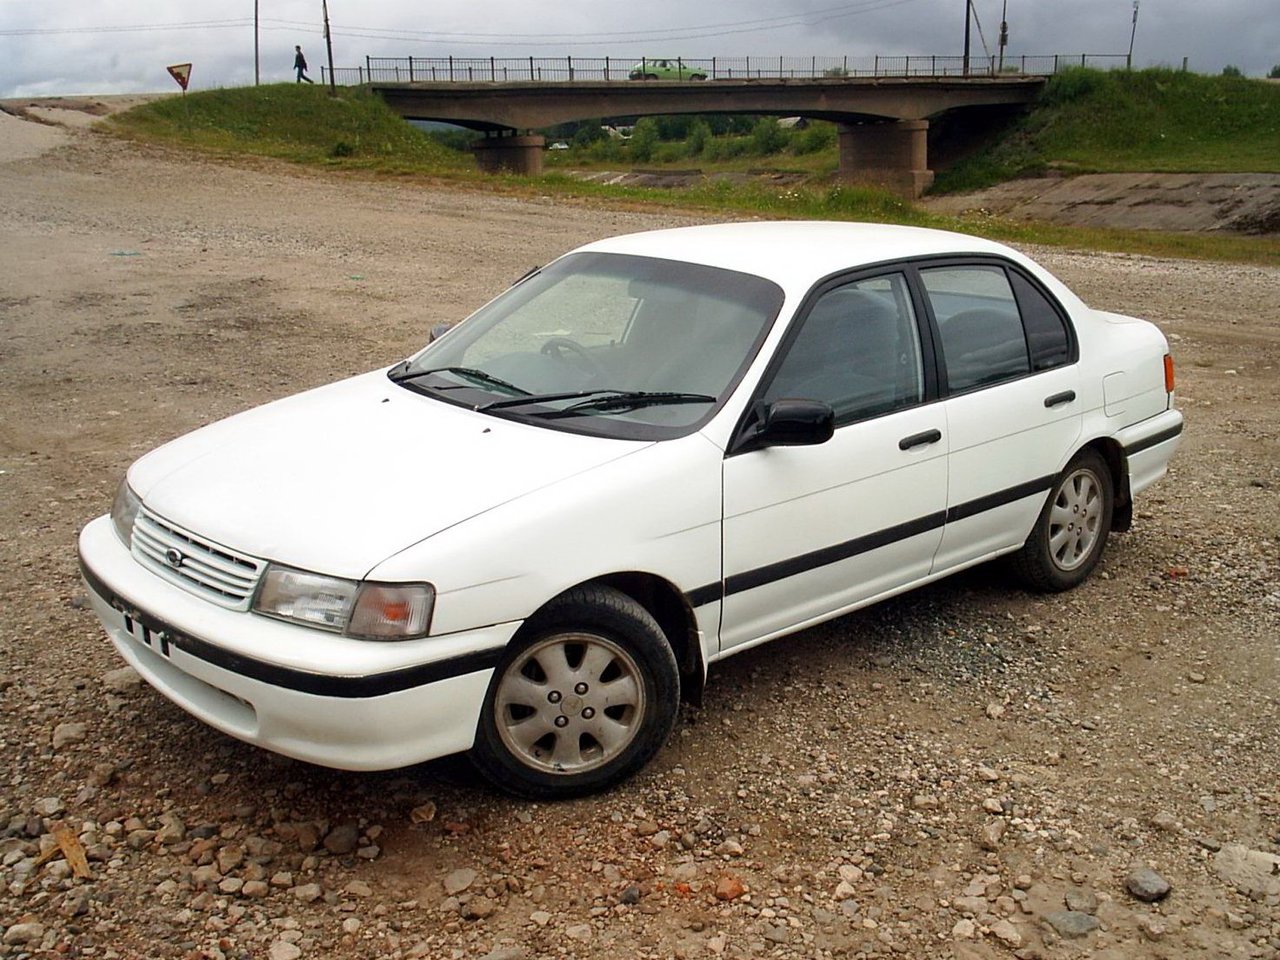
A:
(531, 538)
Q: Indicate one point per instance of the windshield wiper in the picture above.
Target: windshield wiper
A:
(400, 376)
(633, 400)
(535, 398)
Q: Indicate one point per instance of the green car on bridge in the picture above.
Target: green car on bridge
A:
(669, 69)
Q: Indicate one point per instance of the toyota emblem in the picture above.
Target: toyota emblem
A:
(173, 557)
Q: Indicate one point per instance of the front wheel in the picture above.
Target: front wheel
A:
(581, 700)
(1072, 529)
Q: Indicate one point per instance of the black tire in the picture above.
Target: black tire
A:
(697, 76)
(620, 697)
(651, 76)
(1071, 531)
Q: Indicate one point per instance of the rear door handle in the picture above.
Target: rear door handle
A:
(1058, 399)
(920, 439)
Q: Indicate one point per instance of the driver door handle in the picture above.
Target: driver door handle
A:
(920, 439)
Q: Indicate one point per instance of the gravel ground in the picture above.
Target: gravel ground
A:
(969, 771)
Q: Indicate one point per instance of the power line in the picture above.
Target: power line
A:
(129, 28)
(375, 33)
(663, 35)
(844, 9)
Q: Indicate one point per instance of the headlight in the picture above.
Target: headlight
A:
(123, 512)
(368, 611)
(308, 598)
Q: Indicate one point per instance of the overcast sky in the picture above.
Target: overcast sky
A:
(122, 46)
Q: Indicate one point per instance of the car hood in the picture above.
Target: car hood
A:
(340, 478)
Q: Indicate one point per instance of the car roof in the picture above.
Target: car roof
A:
(796, 253)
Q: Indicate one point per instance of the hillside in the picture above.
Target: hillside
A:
(1157, 121)
(293, 122)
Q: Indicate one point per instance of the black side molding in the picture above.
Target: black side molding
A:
(1152, 441)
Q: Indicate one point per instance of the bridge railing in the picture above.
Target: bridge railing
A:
(561, 69)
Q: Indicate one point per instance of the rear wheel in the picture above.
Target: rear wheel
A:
(1072, 529)
(697, 76)
(583, 699)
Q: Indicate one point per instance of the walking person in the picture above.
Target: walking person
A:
(300, 64)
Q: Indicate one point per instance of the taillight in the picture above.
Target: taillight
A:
(1168, 373)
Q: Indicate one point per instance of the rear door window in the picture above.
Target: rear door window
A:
(980, 324)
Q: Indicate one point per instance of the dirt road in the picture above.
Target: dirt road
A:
(969, 771)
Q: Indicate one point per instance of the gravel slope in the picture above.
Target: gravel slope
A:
(969, 771)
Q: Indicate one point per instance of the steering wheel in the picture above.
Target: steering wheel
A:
(557, 347)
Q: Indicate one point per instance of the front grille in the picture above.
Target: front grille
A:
(194, 563)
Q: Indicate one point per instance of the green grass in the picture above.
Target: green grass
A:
(1159, 120)
(356, 131)
(297, 122)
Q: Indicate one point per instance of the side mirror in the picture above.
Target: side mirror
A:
(795, 423)
(438, 331)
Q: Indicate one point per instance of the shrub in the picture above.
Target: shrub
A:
(589, 132)
(767, 137)
(819, 136)
(726, 148)
(644, 139)
(699, 135)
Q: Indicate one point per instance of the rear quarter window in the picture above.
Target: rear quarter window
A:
(1048, 340)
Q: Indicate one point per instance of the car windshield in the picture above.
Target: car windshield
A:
(607, 344)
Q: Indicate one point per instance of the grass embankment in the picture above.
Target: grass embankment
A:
(1159, 121)
(356, 131)
(294, 122)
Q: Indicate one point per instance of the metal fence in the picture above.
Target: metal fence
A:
(561, 69)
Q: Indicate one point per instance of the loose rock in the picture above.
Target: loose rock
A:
(342, 839)
(458, 880)
(65, 733)
(1254, 873)
(477, 908)
(1072, 924)
(21, 934)
(729, 888)
(1147, 885)
(1081, 900)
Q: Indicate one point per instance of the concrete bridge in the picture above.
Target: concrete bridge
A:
(883, 122)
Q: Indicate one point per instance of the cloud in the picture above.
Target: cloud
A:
(124, 46)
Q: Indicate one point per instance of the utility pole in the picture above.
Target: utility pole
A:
(328, 42)
(257, 75)
(968, 6)
(1004, 32)
(1128, 61)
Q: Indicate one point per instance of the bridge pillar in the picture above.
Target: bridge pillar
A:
(893, 154)
(510, 154)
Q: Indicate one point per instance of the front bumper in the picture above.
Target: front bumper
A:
(314, 696)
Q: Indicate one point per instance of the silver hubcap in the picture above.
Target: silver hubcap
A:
(1075, 519)
(570, 703)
